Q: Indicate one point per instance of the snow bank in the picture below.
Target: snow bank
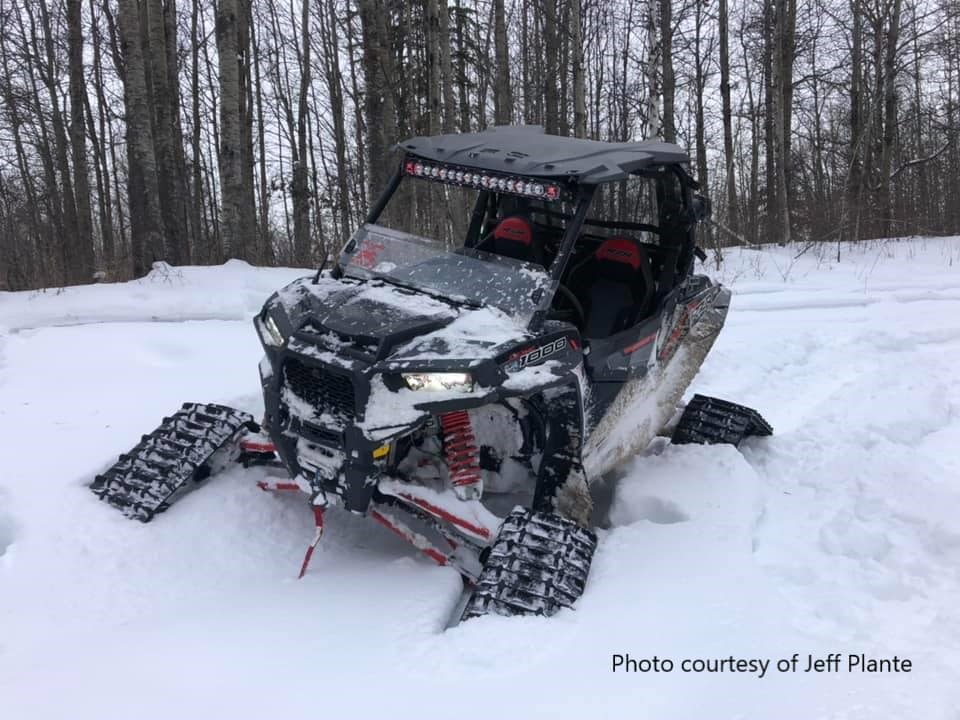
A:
(232, 291)
(873, 270)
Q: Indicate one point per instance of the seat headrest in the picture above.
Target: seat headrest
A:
(514, 229)
(620, 250)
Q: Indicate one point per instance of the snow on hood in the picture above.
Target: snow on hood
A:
(383, 313)
(475, 332)
(409, 301)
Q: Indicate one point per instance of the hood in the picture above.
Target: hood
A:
(380, 321)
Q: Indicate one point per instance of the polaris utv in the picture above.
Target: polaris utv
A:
(517, 315)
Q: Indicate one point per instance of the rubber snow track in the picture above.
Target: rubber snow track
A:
(711, 421)
(171, 459)
(837, 534)
(538, 565)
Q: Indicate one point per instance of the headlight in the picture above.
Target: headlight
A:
(269, 332)
(462, 382)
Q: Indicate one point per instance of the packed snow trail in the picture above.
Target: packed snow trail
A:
(837, 534)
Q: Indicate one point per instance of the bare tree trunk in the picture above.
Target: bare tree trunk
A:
(855, 179)
(889, 117)
(166, 104)
(264, 240)
(463, 91)
(788, 50)
(122, 246)
(502, 100)
(668, 79)
(446, 70)
(80, 247)
(146, 223)
(923, 218)
(300, 191)
(563, 68)
(432, 48)
(104, 192)
(576, 53)
(769, 120)
(823, 223)
(751, 206)
(733, 214)
(202, 239)
(782, 87)
(654, 86)
(179, 184)
(700, 81)
(526, 74)
(380, 115)
(951, 210)
(238, 240)
(248, 206)
(550, 70)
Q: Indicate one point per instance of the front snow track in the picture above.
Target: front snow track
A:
(711, 421)
(171, 460)
(538, 564)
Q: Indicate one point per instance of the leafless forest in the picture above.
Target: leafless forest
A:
(133, 131)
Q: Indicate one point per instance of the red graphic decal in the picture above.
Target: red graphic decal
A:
(366, 256)
(642, 342)
(448, 516)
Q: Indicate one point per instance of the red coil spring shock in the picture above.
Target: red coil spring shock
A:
(463, 455)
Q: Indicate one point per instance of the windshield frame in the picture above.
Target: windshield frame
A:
(582, 199)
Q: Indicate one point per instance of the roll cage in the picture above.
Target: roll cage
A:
(573, 236)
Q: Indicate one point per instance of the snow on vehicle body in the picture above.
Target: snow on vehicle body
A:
(471, 354)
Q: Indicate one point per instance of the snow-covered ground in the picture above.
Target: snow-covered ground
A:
(840, 534)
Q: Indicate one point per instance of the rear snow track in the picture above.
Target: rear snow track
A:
(838, 534)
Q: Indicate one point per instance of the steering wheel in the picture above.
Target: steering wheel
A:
(575, 309)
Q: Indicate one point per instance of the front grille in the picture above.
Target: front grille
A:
(320, 434)
(330, 393)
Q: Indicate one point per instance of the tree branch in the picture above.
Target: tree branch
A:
(736, 236)
(920, 161)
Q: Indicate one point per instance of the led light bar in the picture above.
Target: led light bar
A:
(468, 177)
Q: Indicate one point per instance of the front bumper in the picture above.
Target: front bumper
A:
(319, 437)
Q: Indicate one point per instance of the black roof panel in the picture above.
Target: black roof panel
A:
(528, 150)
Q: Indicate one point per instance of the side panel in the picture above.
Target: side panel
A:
(648, 399)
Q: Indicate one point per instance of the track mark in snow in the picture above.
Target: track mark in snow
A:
(69, 322)
(807, 300)
(909, 342)
(806, 304)
(926, 296)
